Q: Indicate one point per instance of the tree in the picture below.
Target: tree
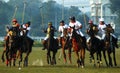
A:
(115, 7)
(38, 12)
(5, 10)
(74, 11)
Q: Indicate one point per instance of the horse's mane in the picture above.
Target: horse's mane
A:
(109, 29)
(76, 36)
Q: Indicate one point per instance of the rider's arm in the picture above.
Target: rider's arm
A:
(60, 29)
(79, 25)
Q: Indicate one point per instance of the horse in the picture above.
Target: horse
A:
(109, 46)
(78, 47)
(94, 45)
(26, 47)
(66, 45)
(51, 46)
(13, 44)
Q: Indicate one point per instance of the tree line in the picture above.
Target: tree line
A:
(40, 13)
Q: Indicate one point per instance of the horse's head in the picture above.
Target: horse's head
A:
(92, 31)
(12, 33)
(65, 32)
(108, 29)
(108, 38)
(73, 31)
(76, 36)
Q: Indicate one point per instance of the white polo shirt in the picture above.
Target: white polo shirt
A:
(101, 28)
(61, 28)
(77, 24)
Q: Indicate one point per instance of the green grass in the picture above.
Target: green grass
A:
(39, 56)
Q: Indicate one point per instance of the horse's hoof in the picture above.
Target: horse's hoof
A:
(94, 65)
(93, 61)
(65, 61)
(98, 65)
(70, 62)
(58, 58)
(101, 63)
(115, 65)
(3, 60)
(78, 65)
(82, 66)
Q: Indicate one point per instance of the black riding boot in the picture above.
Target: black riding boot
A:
(44, 45)
(115, 41)
(84, 42)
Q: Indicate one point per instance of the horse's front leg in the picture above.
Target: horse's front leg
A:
(78, 59)
(2, 57)
(21, 57)
(14, 60)
(7, 57)
(53, 58)
(26, 59)
(92, 59)
(104, 55)
(110, 59)
(14, 56)
(82, 56)
(48, 57)
(114, 57)
(64, 54)
(69, 55)
(98, 53)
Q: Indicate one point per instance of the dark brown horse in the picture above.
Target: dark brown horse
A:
(78, 47)
(66, 45)
(52, 46)
(25, 47)
(95, 45)
(109, 46)
(13, 45)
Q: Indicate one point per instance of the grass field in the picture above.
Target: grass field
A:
(38, 64)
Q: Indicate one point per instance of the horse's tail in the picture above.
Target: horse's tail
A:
(31, 42)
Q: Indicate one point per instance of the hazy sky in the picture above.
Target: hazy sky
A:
(69, 2)
(78, 3)
(72, 2)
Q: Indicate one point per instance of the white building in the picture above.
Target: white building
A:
(100, 9)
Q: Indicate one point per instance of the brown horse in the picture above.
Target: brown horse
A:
(52, 46)
(66, 45)
(78, 47)
(94, 45)
(13, 46)
(109, 46)
(25, 47)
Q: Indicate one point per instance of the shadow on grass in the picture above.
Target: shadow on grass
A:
(71, 66)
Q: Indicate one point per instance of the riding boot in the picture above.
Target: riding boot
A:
(60, 43)
(44, 45)
(115, 41)
(84, 42)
